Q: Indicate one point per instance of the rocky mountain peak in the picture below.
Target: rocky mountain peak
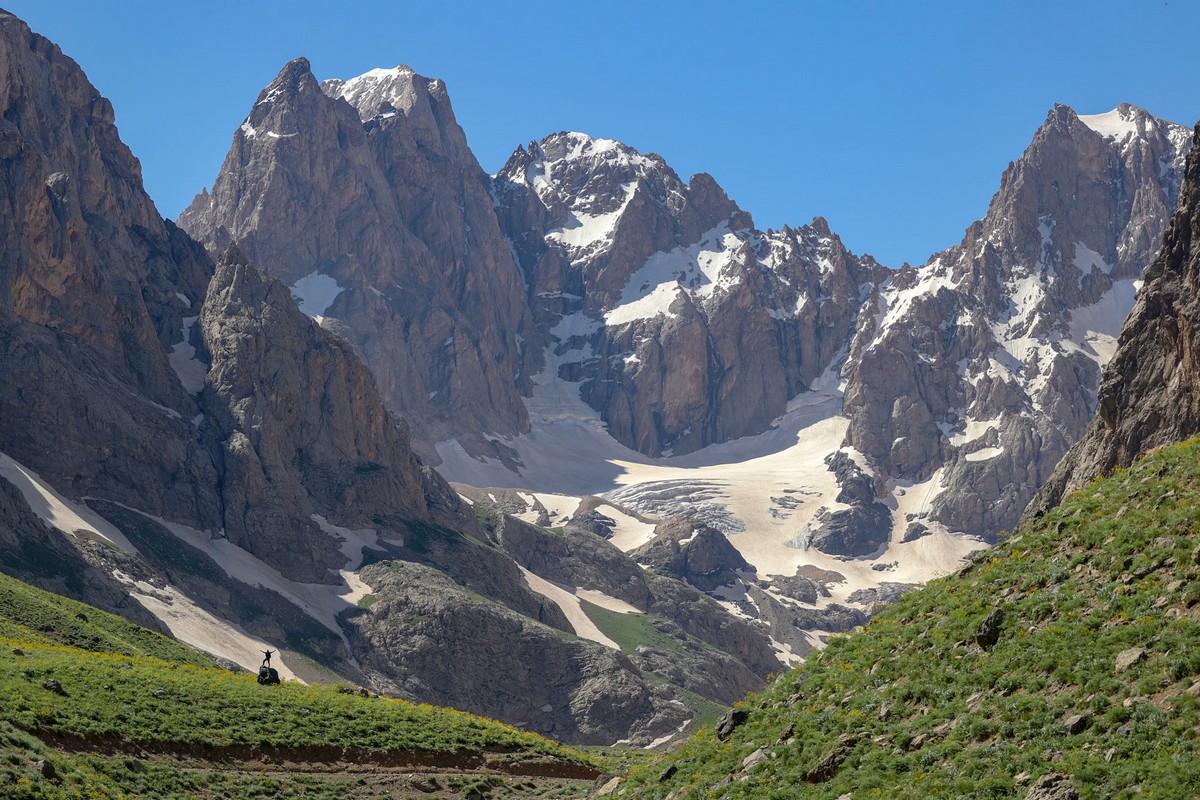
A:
(382, 222)
(1123, 124)
(1150, 393)
(1002, 337)
(399, 97)
(378, 88)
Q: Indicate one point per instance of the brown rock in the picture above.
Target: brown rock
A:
(828, 765)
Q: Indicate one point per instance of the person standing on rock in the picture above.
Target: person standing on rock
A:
(267, 658)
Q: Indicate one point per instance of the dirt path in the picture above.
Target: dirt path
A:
(328, 758)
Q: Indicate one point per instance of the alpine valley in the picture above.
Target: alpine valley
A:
(574, 446)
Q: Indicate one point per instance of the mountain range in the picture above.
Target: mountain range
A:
(669, 355)
(683, 450)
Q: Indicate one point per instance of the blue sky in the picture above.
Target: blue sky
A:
(894, 120)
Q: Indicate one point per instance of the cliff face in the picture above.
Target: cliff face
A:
(364, 198)
(299, 430)
(684, 324)
(1150, 392)
(93, 291)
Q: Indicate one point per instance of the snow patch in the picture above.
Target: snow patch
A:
(1096, 327)
(984, 454)
(566, 599)
(583, 231)
(192, 625)
(1116, 124)
(57, 511)
(315, 293)
(700, 270)
(183, 360)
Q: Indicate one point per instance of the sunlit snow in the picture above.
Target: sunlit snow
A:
(1115, 124)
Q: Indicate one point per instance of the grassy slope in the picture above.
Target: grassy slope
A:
(929, 713)
(33, 615)
(142, 691)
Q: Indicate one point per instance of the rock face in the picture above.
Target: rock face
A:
(1150, 394)
(861, 526)
(93, 292)
(696, 554)
(364, 198)
(301, 430)
(981, 367)
(426, 638)
(684, 324)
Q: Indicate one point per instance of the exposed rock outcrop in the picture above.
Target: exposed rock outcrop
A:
(695, 553)
(301, 430)
(426, 638)
(93, 293)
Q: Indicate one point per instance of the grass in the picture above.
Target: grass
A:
(148, 700)
(32, 615)
(136, 692)
(926, 712)
(629, 630)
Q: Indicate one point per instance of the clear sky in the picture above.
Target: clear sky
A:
(894, 120)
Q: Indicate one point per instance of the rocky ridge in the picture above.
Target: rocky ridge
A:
(981, 367)
(682, 323)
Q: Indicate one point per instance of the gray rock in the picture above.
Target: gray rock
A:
(1052, 787)
(733, 719)
(695, 553)
(881, 596)
(1126, 659)
(863, 528)
(988, 632)
(1077, 723)
(427, 638)
(754, 759)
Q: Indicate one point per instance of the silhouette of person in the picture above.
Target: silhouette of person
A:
(267, 657)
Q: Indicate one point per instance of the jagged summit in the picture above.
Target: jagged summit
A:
(979, 369)
(1121, 123)
(385, 92)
